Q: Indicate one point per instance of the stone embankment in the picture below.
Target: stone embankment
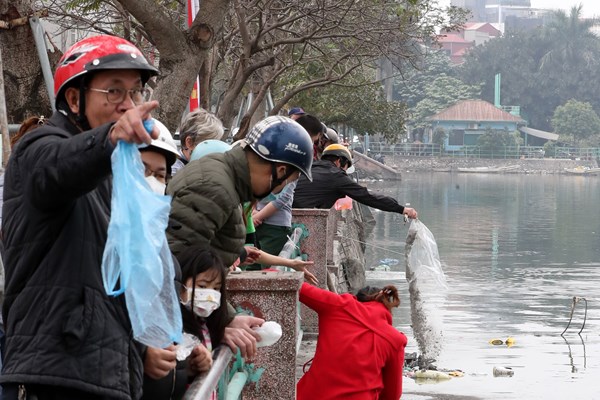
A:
(447, 164)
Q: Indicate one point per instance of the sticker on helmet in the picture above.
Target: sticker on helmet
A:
(293, 147)
(76, 54)
(128, 48)
(263, 150)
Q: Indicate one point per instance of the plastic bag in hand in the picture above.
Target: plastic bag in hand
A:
(269, 332)
(423, 260)
(137, 260)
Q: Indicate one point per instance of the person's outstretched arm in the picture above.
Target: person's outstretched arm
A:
(318, 299)
(347, 187)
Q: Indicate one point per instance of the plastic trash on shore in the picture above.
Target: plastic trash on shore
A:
(269, 332)
(509, 342)
(432, 375)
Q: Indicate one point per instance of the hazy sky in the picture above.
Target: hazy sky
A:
(591, 8)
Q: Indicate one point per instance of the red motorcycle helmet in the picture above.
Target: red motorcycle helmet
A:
(98, 53)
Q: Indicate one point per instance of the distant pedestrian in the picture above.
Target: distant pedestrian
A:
(296, 112)
(314, 127)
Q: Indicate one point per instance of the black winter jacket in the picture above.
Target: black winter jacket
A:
(331, 183)
(61, 327)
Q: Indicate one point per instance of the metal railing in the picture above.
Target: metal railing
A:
(204, 385)
(378, 149)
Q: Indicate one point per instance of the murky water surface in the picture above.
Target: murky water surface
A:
(516, 249)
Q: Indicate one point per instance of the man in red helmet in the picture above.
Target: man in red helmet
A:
(65, 338)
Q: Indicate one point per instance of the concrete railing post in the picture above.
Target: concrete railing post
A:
(272, 296)
(320, 237)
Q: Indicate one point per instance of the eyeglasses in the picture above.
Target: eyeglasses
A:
(117, 95)
(161, 176)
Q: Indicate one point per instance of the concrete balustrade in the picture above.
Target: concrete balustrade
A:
(317, 246)
(272, 296)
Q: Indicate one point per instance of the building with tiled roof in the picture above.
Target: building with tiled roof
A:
(455, 46)
(466, 120)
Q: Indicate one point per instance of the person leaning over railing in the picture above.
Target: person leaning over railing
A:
(360, 355)
(330, 183)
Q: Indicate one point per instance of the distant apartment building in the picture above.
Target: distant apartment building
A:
(494, 11)
(457, 44)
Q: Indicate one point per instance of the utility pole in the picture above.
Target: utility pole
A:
(3, 118)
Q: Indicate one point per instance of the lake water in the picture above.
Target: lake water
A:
(516, 249)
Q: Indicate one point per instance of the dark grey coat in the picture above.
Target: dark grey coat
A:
(61, 327)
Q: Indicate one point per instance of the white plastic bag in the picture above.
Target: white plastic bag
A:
(423, 259)
(269, 332)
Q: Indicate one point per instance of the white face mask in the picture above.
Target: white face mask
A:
(205, 301)
(155, 185)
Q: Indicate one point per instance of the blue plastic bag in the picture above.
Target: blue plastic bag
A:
(137, 260)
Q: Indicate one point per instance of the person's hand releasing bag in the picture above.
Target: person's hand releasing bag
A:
(137, 260)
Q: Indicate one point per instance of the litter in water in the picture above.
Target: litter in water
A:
(503, 371)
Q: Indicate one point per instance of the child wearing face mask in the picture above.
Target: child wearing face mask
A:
(204, 310)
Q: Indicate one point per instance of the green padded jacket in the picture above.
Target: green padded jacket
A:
(207, 204)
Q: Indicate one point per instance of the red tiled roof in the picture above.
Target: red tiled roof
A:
(474, 110)
(475, 26)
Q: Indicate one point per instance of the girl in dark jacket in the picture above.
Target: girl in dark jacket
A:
(204, 311)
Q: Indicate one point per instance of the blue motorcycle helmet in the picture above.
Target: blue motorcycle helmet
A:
(208, 147)
(280, 139)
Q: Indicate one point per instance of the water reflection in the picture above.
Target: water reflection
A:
(516, 249)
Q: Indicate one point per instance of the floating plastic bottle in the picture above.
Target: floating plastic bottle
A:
(432, 375)
(503, 371)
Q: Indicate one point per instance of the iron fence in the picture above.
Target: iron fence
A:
(379, 149)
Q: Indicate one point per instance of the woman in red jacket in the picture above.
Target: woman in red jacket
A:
(359, 353)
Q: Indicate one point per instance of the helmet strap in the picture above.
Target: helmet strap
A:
(275, 181)
(80, 118)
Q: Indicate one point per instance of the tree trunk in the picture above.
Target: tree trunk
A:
(25, 88)
(3, 122)
(182, 53)
(227, 109)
